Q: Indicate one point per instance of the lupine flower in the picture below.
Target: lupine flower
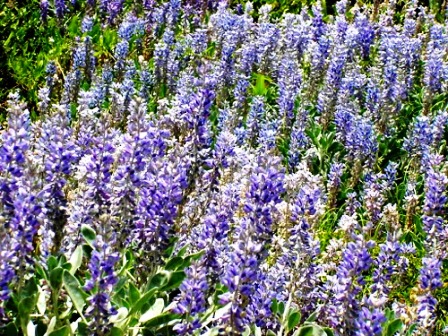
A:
(429, 280)
(266, 43)
(347, 283)
(418, 141)
(248, 250)
(334, 181)
(299, 138)
(121, 51)
(289, 88)
(215, 229)
(374, 198)
(254, 118)
(50, 71)
(44, 99)
(15, 142)
(192, 300)
(438, 127)
(18, 226)
(94, 173)
(158, 206)
(300, 252)
(389, 262)
(366, 34)
(141, 142)
(434, 61)
(87, 24)
(369, 322)
(25, 225)
(44, 9)
(61, 8)
(268, 134)
(358, 135)
(101, 283)
(114, 8)
(56, 149)
(326, 98)
(435, 200)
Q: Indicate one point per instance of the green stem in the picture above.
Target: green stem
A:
(55, 300)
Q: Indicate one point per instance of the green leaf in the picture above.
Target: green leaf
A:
(83, 329)
(310, 330)
(75, 292)
(312, 318)
(119, 289)
(30, 289)
(155, 310)
(116, 332)
(67, 266)
(174, 280)
(40, 271)
(182, 251)
(74, 116)
(293, 320)
(109, 39)
(9, 330)
(328, 331)
(393, 327)
(142, 301)
(134, 294)
(175, 263)
(260, 87)
(73, 26)
(159, 280)
(56, 278)
(274, 306)
(161, 320)
(64, 331)
(194, 256)
(281, 308)
(128, 263)
(76, 260)
(411, 330)
(26, 307)
(89, 234)
(389, 314)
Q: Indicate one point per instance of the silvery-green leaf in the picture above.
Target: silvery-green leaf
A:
(51, 326)
(75, 292)
(218, 314)
(31, 329)
(76, 260)
(310, 330)
(41, 302)
(211, 332)
(246, 331)
(74, 326)
(155, 310)
(122, 313)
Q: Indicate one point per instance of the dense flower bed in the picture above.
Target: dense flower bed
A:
(194, 171)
